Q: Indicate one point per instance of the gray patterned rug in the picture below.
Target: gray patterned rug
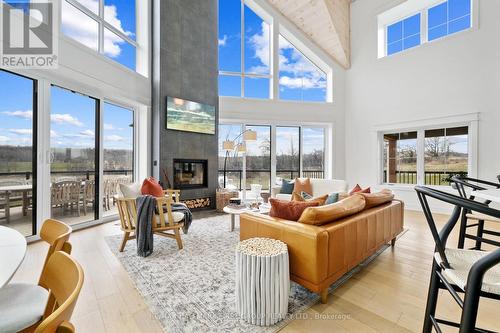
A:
(192, 290)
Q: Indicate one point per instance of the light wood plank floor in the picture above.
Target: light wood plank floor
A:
(388, 296)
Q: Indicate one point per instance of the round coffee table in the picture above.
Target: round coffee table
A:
(233, 211)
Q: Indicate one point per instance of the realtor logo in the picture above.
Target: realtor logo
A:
(29, 36)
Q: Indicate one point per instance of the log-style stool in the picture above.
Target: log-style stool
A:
(262, 281)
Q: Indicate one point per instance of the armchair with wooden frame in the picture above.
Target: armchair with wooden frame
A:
(165, 222)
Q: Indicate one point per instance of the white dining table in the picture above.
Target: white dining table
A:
(492, 195)
(12, 252)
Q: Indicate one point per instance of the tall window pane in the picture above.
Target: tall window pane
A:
(230, 35)
(121, 15)
(300, 79)
(287, 152)
(118, 145)
(446, 154)
(400, 158)
(258, 158)
(119, 50)
(79, 26)
(16, 153)
(73, 149)
(257, 43)
(313, 152)
(230, 159)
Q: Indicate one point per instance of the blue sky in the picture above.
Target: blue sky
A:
(72, 117)
(299, 78)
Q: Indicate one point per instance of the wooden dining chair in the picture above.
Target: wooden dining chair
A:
(165, 223)
(56, 234)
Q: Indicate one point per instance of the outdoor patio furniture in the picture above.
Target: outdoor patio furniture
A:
(11, 198)
(66, 194)
(88, 196)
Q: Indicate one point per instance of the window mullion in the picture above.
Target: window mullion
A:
(420, 157)
(101, 26)
(242, 48)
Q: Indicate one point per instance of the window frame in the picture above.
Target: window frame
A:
(467, 120)
(102, 26)
(406, 10)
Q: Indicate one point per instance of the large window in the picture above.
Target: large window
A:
(118, 153)
(106, 26)
(423, 24)
(258, 158)
(313, 152)
(300, 79)
(446, 154)
(299, 151)
(244, 51)
(287, 152)
(73, 168)
(426, 156)
(17, 151)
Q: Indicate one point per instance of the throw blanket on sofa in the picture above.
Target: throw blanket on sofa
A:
(146, 205)
(188, 216)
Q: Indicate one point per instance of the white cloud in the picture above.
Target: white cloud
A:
(113, 138)
(4, 139)
(223, 41)
(21, 131)
(65, 119)
(86, 30)
(302, 82)
(87, 133)
(260, 43)
(20, 114)
(109, 127)
(53, 134)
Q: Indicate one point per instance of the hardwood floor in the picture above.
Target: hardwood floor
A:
(387, 296)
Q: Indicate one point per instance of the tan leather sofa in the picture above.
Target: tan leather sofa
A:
(320, 255)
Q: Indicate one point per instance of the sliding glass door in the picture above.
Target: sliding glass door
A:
(313, 152)
(74, 158)
(258, 158)
(287, 152)
(118, 153)
(18, 152)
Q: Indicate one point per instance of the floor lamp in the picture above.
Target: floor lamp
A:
(237, 147)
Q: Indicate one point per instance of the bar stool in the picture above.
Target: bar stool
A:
(462, 184)
(474, 273)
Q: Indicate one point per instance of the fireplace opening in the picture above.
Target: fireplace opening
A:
(190, 173)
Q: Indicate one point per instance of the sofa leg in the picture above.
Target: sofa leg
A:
(393, 241)
(324, 296)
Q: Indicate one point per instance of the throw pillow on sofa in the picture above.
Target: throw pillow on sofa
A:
(130, 190)
(332, 198)
(150, 186)
(303, 185)
(329, 213)
(358, 189)
(300, 198)
(287, 186)
(377, 199)
(289, 210)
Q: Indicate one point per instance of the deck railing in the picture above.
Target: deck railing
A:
(287, 174)
(431, 177)
(84, 173)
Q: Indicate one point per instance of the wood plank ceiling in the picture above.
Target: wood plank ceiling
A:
(326, 22)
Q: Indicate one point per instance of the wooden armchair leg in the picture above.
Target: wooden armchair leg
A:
(178, 238)
(124, 241)
(393, 241)
(324, 295)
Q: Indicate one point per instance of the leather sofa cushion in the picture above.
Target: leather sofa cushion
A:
(303, 185)
(329, 213)
(377, 199)
(289, 210)
(321, 200)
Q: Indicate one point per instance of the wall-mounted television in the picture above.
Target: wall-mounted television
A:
(189, 116)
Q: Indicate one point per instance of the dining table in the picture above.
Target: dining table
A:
(9, 190)
(12, 252)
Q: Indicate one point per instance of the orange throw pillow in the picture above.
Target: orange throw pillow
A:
(289, 210)
(303, 185)
(332, 212)
(377, 199)
(150, 186)
(358, 189)
(321, 200)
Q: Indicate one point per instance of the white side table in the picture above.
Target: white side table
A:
(262, 281)
(233, 211)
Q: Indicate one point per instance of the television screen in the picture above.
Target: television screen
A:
(190, 116)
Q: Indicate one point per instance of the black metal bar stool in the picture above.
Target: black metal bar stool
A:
(474, 273)
(462, 183)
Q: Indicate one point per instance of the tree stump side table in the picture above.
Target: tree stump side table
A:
(262, 281)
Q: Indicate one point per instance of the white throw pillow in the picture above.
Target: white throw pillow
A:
(130, 190)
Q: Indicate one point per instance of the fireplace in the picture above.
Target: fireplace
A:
(190, 174)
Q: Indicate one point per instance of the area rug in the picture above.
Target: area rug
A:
(192, 290)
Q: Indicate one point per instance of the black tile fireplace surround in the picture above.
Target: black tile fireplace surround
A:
(190, 173)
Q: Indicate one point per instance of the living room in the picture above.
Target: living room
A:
(249, 165)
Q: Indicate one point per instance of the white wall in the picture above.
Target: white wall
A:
(453, 76)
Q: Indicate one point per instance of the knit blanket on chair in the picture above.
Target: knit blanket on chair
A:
(188, 216)
(146, 206)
